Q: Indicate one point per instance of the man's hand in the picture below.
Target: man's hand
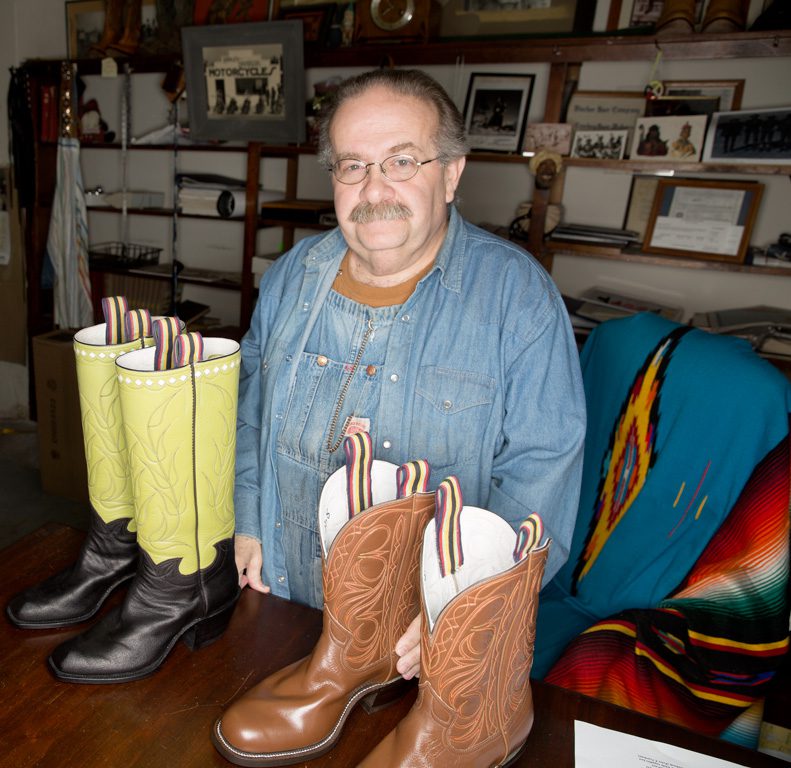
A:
(408, 649)
(249, 562)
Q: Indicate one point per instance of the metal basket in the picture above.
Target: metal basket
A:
(122, 255)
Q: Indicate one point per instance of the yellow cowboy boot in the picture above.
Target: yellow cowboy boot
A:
(180, 426)
(109, 553)
(479, 593)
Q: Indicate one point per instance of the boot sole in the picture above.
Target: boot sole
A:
(197, 635)
(57, 623)
(365, 693)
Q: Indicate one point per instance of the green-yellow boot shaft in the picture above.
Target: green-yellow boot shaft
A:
(180, 428)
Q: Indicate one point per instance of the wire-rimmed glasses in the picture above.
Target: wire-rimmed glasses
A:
(349, 170)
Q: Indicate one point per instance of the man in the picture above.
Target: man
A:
(441, 340)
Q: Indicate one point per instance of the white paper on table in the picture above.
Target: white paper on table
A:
(596, 747)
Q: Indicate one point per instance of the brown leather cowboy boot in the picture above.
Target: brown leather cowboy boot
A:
(113, 27)
(127, 43)
(474, 707)
(677, 18)
(725, 16)
(370, 574)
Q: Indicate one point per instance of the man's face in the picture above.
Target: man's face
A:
(371, 128)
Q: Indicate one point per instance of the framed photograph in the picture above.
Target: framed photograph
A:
(600, 145)
(645, 13)
(230, 11)
(554, 137)
(605, 110)
(246, 81)
(85, 25)
(490, 18)
(677, 139)
(681, 106)
(315, 20)
(727, 92)
(495, 111)
(641, 202)
(700, 219)
(755, 136)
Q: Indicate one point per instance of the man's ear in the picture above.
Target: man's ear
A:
(453, 171)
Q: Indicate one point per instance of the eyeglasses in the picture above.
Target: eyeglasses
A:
(395, 168)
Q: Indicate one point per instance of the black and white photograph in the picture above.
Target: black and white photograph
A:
(600, 145)
(246, 81)
(552, 137)
(495, 112)
(755, 136)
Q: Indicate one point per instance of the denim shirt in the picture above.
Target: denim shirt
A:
(480, 377)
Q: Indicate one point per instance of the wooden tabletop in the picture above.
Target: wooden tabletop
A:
(165, 720)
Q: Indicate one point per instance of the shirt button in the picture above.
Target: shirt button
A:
(447, 405)
(288, 358)
(281, 579)
(277, 524)
(321, 361)
(405, 318)
(371, 370)
(305, 307)
(394, 377)
(386, 444)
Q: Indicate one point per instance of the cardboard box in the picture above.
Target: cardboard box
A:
(61, 450)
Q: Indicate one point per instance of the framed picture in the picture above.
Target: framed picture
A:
(645, 13)
(315, 20)
(246, 81)
(605, 110)
(700, 219)
(489, 18)
(495, 111)
(230, 11)
(554, 137)
(755, 136)
(600, 145)
(727, 92)
(641, 202)
(85, 25)
(681, 106)
(677, 139)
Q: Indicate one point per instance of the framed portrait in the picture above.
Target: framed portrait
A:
(674, 139)
(490, 18)
(605, 110)
(315, 20)
(702, 219)
(85, 25)
(246, 81)
(681, 106)
(495, 111)
(553, 137)
(600, 145)
(727, 92)
(754, 136)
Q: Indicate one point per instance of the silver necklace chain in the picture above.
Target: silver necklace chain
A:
(333, 446)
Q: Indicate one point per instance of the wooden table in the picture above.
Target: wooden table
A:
(164, 721)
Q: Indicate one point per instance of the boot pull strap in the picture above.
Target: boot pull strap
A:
(412, 478)
(528, 536)
(359, 458)
(188, 349)
(448, 526)
(137, 323)
(114, 308)
(166, 329)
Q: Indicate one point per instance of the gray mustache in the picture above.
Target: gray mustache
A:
(365, 213)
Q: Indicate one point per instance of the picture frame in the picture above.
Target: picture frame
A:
(246, 82)
(681, 106)
(484, 18)
(641, 202)
(85, 25)
(553, 137)
(600, 144)
(669, 139)
(749, 136)
(729, 92)
(315, 18)
(605, 110)
(208, 12)
(703, 219)
(495, 111)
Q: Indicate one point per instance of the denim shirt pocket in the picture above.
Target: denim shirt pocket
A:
(450, 404)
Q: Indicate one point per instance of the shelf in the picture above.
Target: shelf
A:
(209, 277)
(647, 166)
(162, 212)
(637, 257)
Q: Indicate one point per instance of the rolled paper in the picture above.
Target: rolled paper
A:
(528, 536)
(138, 324)
(359, 458)
(412, 477)
(448, 526)
(114, 309)
(188, 349)
(166, 329)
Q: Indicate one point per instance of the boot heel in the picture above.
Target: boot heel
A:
(384, 697)
(209, 629)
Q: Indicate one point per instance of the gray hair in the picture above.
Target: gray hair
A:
(450, 139)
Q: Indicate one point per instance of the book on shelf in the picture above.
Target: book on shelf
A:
(595, 235)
